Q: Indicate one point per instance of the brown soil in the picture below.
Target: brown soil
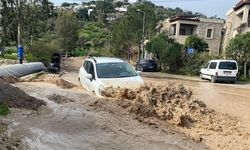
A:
(15, 97)
(7, 80)
(60, 99)
(176, 105)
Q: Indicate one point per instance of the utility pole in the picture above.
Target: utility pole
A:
(143, 32)
(19, 36)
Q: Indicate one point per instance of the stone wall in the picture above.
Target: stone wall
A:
(215, 42)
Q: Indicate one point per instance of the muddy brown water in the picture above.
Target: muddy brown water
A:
(233, 99)
(82, 124)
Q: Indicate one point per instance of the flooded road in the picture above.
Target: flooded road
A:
(83, 124)
(82, 121)
(233, 99)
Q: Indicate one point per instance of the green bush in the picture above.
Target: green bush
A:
(4, 109)
(193, 63)
(79, 52)
(41, 51)
(10, 56)
(10, 50)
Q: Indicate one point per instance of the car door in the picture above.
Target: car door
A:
(205, 71)
(92, 82)
(83, 75)
(212, 69)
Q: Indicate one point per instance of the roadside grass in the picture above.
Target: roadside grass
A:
(244, 80)
(12, 56)
(4, 109)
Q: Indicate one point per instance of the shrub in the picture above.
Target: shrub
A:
(4, 109)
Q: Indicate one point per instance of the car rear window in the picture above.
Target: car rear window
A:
(228, 65)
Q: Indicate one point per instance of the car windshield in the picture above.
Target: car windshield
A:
(228, 65)
(114, 70)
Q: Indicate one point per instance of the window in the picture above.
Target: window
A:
(228, 65)
(114, 70)
(206, 66)
(86, 66)
(89, 68)
(209, 34)
(213, 65)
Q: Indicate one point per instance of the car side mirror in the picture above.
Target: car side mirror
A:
(89, 76)
(138, 72)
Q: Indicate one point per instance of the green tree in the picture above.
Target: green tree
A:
(167, 51)
(127, 31)
(67, 27)
(239, 49)
(197, 43)
(32, 16)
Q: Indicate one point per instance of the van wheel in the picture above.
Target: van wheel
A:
(213, 80)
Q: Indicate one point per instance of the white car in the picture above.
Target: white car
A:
(220, 70)
(98, 73)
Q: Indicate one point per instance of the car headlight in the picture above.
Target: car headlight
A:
(101, 89)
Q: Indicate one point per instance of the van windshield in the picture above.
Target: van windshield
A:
(228, 65)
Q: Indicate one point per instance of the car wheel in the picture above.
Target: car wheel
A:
(141, 69)
(213, 79)
(201, 77)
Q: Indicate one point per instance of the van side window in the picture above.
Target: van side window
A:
(213, 65)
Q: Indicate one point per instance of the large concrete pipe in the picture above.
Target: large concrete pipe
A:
(19, 70)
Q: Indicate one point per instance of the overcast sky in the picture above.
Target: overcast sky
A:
(207, 7)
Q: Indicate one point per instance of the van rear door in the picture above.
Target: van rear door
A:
(228, 69)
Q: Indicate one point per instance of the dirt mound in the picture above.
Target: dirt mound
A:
(8, 80)
(60, 99)
(173, 103)
(55, 79)
(16, 98)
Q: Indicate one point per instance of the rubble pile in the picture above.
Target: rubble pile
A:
(173, 103)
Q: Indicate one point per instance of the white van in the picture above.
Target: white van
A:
(220, 70)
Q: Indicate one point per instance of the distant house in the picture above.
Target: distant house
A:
(181, 27)
(237, 21)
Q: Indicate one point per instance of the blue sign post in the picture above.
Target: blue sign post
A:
(190, 50)
(20, 54)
